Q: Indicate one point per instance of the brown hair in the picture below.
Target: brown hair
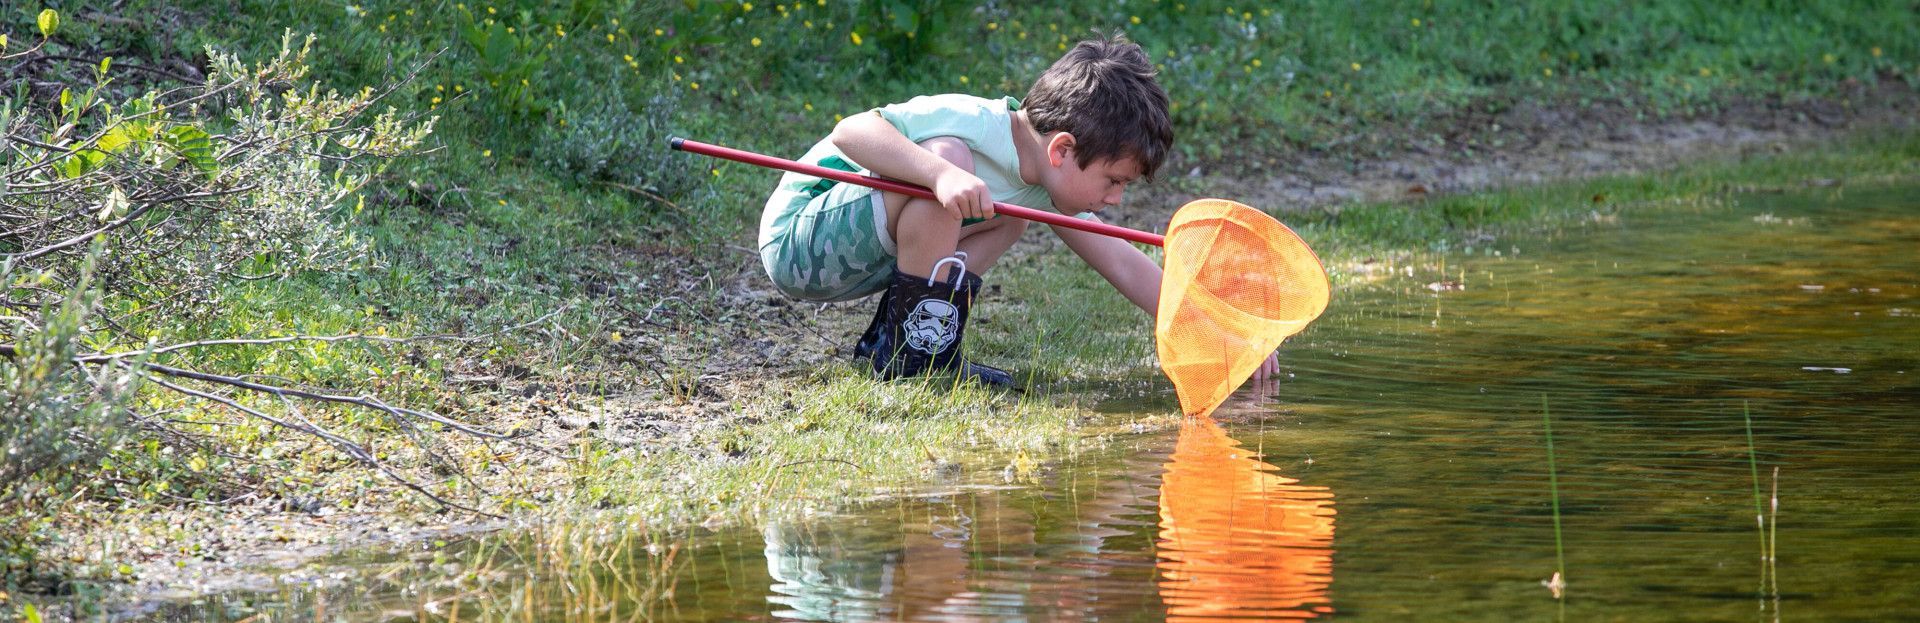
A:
(1103, 93)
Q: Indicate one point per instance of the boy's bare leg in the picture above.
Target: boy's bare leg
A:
(926, 233)
(986, 242)
(923, 232)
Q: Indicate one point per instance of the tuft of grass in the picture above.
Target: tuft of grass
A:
(1558, 583)
(1759, 514)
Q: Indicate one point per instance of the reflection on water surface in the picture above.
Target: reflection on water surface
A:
(1237, 539)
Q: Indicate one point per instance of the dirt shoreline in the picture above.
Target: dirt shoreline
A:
(253, 547)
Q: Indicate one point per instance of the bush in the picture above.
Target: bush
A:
(240, 178)
(607, 141)
(54, 414)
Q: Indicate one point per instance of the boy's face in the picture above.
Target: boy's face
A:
(1100, 184)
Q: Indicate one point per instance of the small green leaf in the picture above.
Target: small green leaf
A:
(80, 163)
(49, 22)
(32, 614)
(66, 99)
(116, 139)
(499, 50)
(3, 42)
(193, 145)
(104, 62)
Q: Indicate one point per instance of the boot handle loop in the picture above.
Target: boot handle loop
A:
(959, 258)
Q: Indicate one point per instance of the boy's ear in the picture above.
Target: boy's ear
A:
(1059, 148)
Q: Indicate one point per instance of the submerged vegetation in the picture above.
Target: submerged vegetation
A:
(460, 216)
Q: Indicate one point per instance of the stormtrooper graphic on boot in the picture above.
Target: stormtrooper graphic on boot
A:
(932, 326)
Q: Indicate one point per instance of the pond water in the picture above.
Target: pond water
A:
(1400, 470)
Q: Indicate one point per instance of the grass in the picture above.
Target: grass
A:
(1759, 514)
(1558, 582)
(556, 194)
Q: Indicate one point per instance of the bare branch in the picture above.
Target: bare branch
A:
(122, 221)
(341, 443)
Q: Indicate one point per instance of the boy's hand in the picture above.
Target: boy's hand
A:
(963, 194)
(1269, 369)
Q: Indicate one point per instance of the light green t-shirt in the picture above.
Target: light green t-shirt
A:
(986, 125)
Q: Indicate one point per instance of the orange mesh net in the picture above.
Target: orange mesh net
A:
(1237, 283)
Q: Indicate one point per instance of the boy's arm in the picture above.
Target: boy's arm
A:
(1135, 275)
(871, 141)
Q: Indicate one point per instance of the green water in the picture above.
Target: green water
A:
(1399, 469)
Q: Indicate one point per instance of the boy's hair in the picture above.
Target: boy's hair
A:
(1103, 93)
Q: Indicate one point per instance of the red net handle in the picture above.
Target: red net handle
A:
(1038, 216)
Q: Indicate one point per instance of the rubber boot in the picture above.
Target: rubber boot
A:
(864, 348)
(921, 329)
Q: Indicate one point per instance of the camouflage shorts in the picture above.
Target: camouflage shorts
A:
(826, 243)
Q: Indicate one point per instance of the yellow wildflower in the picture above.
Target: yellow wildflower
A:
(1356, 66)
(695, 85)
(657, 32)
(963, 79)
(1256, 62)
(1548, 72)
(1876, 51)
(1829, 58)
(486, 153)
(609, 37)
(1135, 19)
(489, 10)
(1704, 72)
(856, 37)
(436, 99)
(747, 7)
(1416, 22)
(808, 23)
(756, 42)
(809, 106)
(677, 60)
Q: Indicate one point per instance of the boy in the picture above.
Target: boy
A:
(1093, 123)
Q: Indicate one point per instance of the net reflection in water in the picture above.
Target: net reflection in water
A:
(1237, 539)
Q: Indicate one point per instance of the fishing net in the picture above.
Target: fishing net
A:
(1237, 283)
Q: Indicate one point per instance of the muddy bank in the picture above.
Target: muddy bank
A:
(212, 548)
(1529, 143)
